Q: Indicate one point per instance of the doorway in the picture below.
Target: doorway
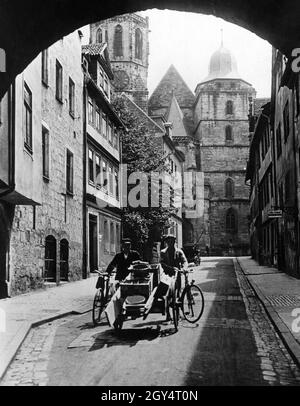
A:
(93, 243)
(50, 259)
(64, 260)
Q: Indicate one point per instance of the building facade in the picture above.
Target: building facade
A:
(128, 47)
(42, 206)
(277, 195)
(261, 176)
(103, 154)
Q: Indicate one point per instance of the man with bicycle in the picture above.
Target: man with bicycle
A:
(171, 259)
(122, 261)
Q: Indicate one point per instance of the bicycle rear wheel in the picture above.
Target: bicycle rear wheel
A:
(192, 303)
(98, 306)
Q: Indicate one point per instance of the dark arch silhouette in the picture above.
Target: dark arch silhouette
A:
(43, 23)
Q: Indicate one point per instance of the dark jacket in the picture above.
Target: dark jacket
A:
(122, 264)
(169, 261)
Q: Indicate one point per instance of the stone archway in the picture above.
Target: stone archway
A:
(29, 26)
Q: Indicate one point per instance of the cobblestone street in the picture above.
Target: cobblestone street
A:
(234, 343)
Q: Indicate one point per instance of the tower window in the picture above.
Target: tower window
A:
(99, 36)
(229, 107)
(138, 44)
(229, 188)
(118, 41)
(228, 133)
(231, 221)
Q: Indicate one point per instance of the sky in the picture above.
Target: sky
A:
(187, 40)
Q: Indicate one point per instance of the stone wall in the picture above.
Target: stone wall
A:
(223, 243)
(59, 214)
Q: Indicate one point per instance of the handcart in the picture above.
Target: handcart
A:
(135, 291)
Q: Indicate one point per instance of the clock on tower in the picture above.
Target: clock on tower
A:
(121, 79)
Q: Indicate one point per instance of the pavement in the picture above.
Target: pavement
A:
(278, 293)
(280, 296)
(23, 312)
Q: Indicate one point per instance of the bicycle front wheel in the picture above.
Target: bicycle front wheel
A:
(98, 306)
(192, 303)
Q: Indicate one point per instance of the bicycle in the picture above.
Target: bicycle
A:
(190, 300)
(101, 297)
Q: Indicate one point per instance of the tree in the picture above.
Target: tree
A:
(142, 152)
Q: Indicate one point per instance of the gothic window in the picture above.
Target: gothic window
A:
(118, 41)
(229, 107)
(231, 221)
(99, 35)
(228, 133)
(138, 44)
(229, 188)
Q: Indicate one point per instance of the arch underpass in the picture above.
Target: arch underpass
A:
(30, 26)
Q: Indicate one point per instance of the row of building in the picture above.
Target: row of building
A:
(61, 186)
(60, 155)
(273, 172)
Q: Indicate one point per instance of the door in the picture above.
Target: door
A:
(64, 260)
(50, 259)
(93, 243)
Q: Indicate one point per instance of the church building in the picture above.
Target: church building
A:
(210, 127)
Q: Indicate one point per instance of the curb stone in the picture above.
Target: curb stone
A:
(281, 328)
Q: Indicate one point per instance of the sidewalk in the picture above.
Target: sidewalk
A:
(280, 295)
(31, 309)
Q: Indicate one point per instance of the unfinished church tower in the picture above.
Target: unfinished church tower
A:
(128, 48)
(222, 130)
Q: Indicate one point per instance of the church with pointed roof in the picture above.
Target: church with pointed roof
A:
(210, 127)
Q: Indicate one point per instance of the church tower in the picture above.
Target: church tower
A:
(128, 48)
(222, 130)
